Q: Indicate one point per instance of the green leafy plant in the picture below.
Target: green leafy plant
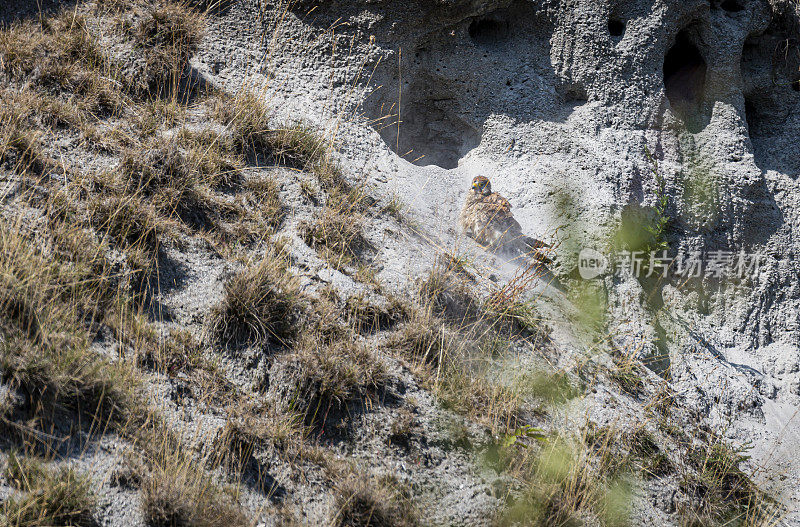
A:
(657, 228)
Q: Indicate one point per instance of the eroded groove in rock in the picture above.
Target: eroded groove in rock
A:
(685, 79)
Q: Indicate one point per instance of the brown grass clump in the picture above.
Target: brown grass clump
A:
(722, 492)
(156, 164)
(20, 146)
(48, 302)
(166, 34)
(376, 502)
(295, 145)
(423, 340)
(50, 497)
(177, 491)
(253, 431)
(366, 315)
(43, 110)
(260, 305)
(60, 55)
(337, 237)
(447, 293)
(213, 156)
(262, 210)
(180, 352)
(319, 378)
(179, 174)
(128, 222)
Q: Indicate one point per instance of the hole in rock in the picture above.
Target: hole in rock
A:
(732, 6)
(432, 128)
(684, 78)
(573, 92)
(796, 85)
(488, 32)
(616, 27)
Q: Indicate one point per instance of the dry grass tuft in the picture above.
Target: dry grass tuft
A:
(423, 340)
(366, 315)
(721, 492)
(369, 501)
(264, 210)
(177, 491)
(128, 222)
(295, 145)
(254, 431)
(180, 352)
(338, 238)
(261, 305)
(20, 145)
(50, 497)
(60, 56)
(448, 293)
(166, 34)
(321, 377)
(49, 300)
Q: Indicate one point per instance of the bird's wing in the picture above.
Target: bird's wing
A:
(498, 203)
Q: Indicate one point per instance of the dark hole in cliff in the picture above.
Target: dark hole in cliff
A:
(573, 92)
(432, 128)
(732, 6)
(685, 79)
(488, 32)
(796, 85)
(616, 27)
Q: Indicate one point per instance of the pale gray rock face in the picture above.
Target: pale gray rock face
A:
(558, 102)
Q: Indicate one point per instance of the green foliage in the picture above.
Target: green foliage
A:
(657, 229)
(590, 301)
(701, 198)
(564, 484)
(643, 229)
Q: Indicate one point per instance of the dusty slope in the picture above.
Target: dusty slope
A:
(558, 113)
(557, 103)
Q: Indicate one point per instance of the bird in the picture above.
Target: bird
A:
(486, 217)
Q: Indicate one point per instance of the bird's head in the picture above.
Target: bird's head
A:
(481, 185)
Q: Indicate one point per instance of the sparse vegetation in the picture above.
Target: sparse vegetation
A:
(337, 236)
(325, 378)
(48, 496)
(626, 375)
(121, 170)
(45, 355)
(177, 491)
(422, 340)
(725, 494)
(259, 306)
(565, 484)
(365, 315)
(372, 501)
(257, 429)
(166, 34)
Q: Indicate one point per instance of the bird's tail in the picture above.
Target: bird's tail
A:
(535, 245)
(538, 250)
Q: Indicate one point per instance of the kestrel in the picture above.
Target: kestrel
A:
(487, 218)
